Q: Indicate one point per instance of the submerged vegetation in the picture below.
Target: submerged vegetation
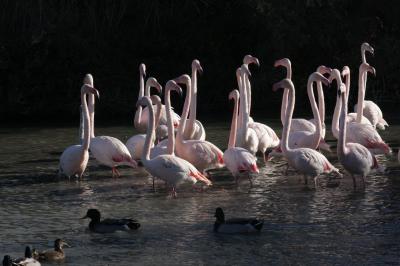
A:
(46, 47)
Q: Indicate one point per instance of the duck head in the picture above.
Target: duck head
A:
(59, 244)
(28, 252)
(219, 214)
(93, 214)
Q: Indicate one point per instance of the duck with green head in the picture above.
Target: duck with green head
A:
(236, 225)
(109, 225)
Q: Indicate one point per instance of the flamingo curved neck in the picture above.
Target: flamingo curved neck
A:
(91, 114)
(149, 135)
(185, 112)
(232, 134)
(347, 83)
(138, 114)
(317, 134)
(242, 136)
(193, 102)
(342, 150)
(285, 95)
(171, 136)
(321, 102)
(361, 95)
(86, 122)
(288, 121)
(335, 119)
(248, 93)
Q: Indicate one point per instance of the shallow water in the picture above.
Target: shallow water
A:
(330, 225)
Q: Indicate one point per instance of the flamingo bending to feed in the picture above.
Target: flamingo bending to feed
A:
(74, 159)
(135, 143)
(246, 137)
(168, 167)
(370, 109)
(267, 137)
(354, 157)
(201, 153)
(307, 161)
(194, 128)
(107, 150)
(363, 134)
(239, 161)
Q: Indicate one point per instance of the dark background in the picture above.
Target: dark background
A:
(46, 47)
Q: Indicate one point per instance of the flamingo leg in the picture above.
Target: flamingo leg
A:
(363, 181)
(115, 172)
(316, 183)
(250, 180)
(287, 169)
(354, 182)
(305, 179)
(154, 187)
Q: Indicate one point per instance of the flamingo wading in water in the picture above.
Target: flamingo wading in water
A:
(74, 159)
(307, 161)
(107, 150)
(354, 157)
(168, 167)
(239, 161)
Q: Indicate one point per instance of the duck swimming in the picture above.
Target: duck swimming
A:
(235, 225)
(109, 225)
(55, 255)
(28, 260)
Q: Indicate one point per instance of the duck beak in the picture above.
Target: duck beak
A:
(66, 244)
(85, 217)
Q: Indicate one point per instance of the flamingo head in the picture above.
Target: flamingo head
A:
(317, 77)
(283, 84)
(142, 69)
(152, 82)
(285, 62)
(324, 70)
(366, 47)
(365, 67)
(86, 88)
(144, 101)
(172, 86)
(335, 75)
(234, 95)
(88, 79)
(346, 72)
(196, 65)
(183, 79)
(249, 59)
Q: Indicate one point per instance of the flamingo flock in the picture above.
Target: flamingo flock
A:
(174, 148)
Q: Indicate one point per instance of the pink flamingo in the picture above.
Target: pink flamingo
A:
(354, 157)
(194, 128)
(168, 167)
(307, 161)
(363, 134)
(239, 161)
(167, 146)
(107, 150)
(353, 117)
(247, 137)
(267, 137)
(370, 109)
(202, 154)
(300, 124)
(140, 125)
(135, 143)
(74, 159)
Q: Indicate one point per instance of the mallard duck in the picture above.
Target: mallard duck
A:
(28, 260)
(235, 225)
(54, 255)
(109, 225)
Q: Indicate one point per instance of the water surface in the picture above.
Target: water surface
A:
(330, 225)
